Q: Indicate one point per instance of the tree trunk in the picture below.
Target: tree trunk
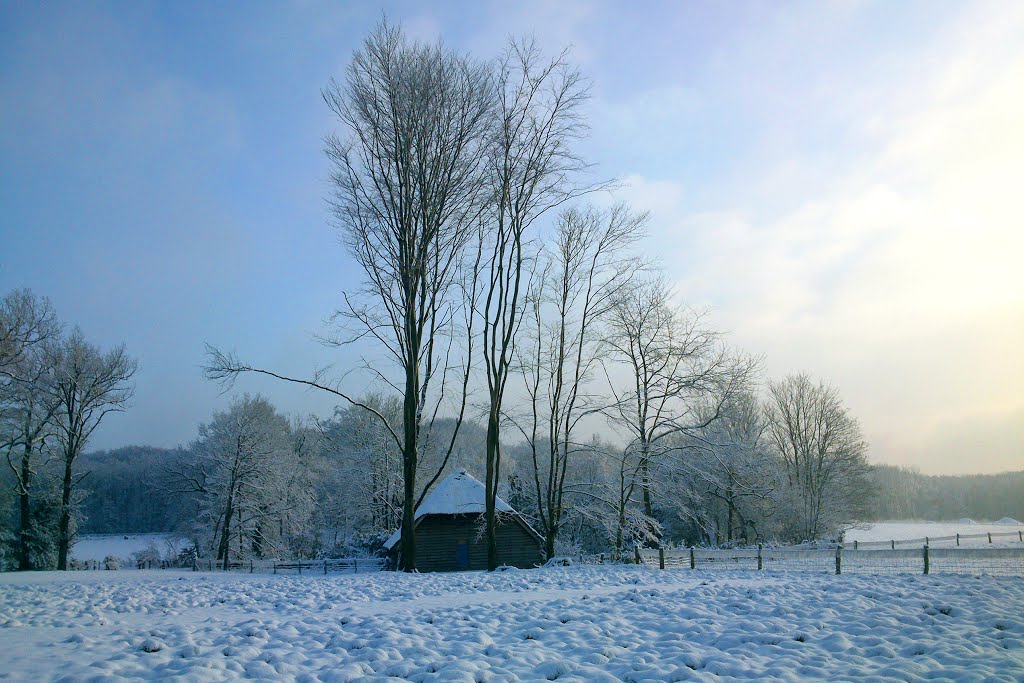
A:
(493, 435)
(225, 538)
(25, 510)
(64, 525)
(408, 539)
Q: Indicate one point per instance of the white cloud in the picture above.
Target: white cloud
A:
(902, 282)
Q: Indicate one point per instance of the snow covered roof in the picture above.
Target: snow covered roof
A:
(459, 494)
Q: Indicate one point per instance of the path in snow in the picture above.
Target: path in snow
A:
(577, 623)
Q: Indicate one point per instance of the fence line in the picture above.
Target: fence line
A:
(990, 537)
(843, 560)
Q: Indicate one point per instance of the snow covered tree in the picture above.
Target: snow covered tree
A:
(28, 403)
(823, 452)
(675, 367)
(239, 470)
(89, 385)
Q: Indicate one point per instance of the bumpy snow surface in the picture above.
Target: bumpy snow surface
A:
(570, 624)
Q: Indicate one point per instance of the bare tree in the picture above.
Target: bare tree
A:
(824, 454)
(25, 321)
(534, 169)
(408, 187)
(90, 385)
(674, 366)
(585, 270)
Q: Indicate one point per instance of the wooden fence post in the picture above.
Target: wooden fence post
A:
(958, 540)
(355, 565)
(1020, 535)
(839, 559)
(855, 544)
(601, 559)
(275, 567)
(636, 555)
(760, 564)
(299, 563)
(325, 567)
(990, 537)
(661, 558)
(252, 565)
(926, 560)
(693, 558)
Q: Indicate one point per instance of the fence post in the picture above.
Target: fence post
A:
(893, 544)
(661, 558)
(601, 560)
(325, 567)
(211, 565)
(990, 537)
(299, 563)
(760, 564)
(355, 565)
(693, 558)
(926, 560)
(839, 559)
(1020, 535)
(252, 565)
(636, 555)
(855, 544)
(958, 539)
(275, 567)
(926, 541)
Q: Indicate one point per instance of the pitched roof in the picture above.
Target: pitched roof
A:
(459, 494)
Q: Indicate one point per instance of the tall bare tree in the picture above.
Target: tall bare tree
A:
(408, 178)
(90, 385)
(534, 169)
(674, 366)
(584, 271)
(824, 454)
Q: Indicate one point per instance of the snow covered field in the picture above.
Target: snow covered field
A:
(95, 547)
(571, 624)
(886, 531)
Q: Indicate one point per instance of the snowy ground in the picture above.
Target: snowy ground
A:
(574, 624)
(887, 531)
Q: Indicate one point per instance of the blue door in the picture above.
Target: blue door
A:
(462, 555)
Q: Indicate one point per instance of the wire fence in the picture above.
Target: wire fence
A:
(955, 540)
(1002, 561)
(343, 565)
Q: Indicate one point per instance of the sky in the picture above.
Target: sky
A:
(840, 183)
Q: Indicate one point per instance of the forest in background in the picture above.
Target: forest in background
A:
(125, 494)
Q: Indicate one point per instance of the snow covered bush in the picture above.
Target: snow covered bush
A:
(111, 562)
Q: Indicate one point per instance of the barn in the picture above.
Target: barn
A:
(448, 537)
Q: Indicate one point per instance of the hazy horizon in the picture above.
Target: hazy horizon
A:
(838, 183)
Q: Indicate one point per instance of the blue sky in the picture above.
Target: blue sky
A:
(838, 181)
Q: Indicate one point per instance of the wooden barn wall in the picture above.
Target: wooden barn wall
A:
(438, 535)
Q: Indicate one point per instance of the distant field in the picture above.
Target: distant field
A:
(896, 530)
(98, 546)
